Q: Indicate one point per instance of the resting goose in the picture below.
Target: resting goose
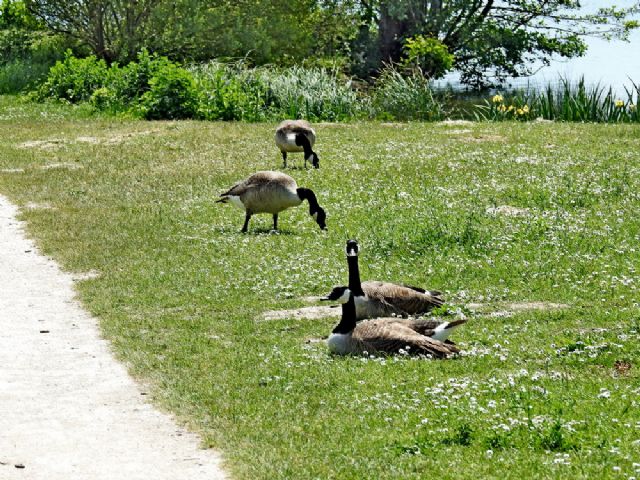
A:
(297, 136)
(271, 192)
(387, 335)
(381, 299)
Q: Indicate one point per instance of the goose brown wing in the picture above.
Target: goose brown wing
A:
(405, 299)
(423, 327)
(258, 180)
(392, 336)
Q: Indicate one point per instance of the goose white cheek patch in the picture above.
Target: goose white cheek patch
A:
(315, 216)
(344, 298)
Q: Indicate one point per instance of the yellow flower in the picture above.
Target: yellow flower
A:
(525, 109)
(511, 108)
(520, 111)
(497, 99)
(619, 103)
(502, 108)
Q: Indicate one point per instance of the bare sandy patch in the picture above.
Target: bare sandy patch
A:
(508, 211)
(61, 165)
(304, 313)
(94, 140)
(510, 308)
(12, 170)
(42, 144)
(39, 206)
(455, 122)
(80, 276)
(457, 131)
(485, 138)
(123, 137)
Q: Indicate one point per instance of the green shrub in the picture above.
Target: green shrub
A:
(172, 95)
(230, 92)
(134, 79)
(74, 79)
(428, 54)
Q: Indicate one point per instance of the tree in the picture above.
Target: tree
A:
(279, 31)
(489, 37)
(113, 29)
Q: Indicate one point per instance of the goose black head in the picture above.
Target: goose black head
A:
(320, 217)
(338, 294)
(315, 160)
(352, 248)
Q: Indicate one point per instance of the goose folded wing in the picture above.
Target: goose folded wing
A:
(392, 337)
(406, 300)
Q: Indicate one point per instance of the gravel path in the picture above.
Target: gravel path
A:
(68, 410)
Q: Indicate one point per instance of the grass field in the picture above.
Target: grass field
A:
(552, 392)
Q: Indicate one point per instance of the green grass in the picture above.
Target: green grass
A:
(538, 394)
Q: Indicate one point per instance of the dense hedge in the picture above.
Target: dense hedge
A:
(155, 88)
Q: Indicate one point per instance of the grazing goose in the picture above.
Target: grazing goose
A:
(381, 299)
(387, 335)
(297, 136)
(271, 192)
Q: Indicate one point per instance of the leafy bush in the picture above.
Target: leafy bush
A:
(134, 79)
(230, 92)
(74, 79)
(172, 95)
(428, 54)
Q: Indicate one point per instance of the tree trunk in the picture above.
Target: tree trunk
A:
(390, 33)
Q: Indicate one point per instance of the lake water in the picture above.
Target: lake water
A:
(609, 63)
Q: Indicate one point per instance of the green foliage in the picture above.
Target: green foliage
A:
(311, 93)
(172, 94)
(131, 81)
(15, 14)
(490, 40)
(428, 54)
(74, 79)
(230, 92)
(405, 97)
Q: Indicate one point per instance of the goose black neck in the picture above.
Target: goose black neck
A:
(355, 285)
(303, 141)
(348, 319)
(309, 196)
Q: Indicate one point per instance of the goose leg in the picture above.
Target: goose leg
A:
(247, 217)
(275, 221)
(284, 159)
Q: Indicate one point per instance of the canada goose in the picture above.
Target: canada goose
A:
(297, 136)
(387, 335)
(381, 299)
(271, 192)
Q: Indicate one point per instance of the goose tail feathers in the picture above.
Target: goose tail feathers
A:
(443, 330)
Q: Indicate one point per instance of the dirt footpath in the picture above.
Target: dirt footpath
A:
(68, 410)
